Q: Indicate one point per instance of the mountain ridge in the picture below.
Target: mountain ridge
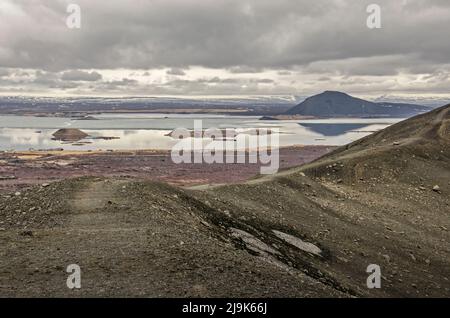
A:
(339, 104)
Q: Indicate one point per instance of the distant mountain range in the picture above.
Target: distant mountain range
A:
(272, 107)
(65, 106)
(338, 104)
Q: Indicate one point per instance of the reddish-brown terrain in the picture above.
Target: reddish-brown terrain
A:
(20, 169)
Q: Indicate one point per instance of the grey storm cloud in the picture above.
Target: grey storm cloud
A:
(114, 85)
(4, 72)
(81, 76)
(241, 37)
(176, 71)
(218, 80)
(245, 69)
(218, 34)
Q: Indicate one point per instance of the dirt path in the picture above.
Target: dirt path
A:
(95, 196)
(139, 239)
(95, 207)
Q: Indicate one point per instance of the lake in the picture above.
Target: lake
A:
(149, 131)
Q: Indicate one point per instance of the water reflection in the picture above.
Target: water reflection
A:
(149, 131)
(333, 129)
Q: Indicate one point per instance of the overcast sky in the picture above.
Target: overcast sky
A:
(221, 47)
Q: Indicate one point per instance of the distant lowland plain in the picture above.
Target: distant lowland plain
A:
(47, 139)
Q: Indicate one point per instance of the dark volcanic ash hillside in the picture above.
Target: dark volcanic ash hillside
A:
(381, 200)
(305, 232)
(411, 149)
(337, 104)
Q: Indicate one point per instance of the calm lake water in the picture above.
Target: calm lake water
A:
(148, 131)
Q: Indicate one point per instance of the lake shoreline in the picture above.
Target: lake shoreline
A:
(21, 169)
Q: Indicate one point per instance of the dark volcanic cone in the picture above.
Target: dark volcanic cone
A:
(69, 134)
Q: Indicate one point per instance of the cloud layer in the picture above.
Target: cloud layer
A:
(224, 47)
